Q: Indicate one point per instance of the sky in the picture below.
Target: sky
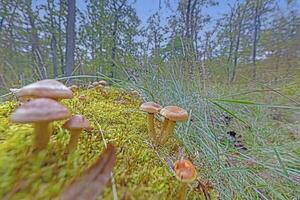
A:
(146, 8)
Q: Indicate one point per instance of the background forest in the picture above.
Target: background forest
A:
(50, 39)
(234, 65)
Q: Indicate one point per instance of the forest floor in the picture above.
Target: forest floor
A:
(141, 171)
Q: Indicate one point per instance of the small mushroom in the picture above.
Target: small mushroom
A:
(40, 112)
(75, 125)
(186, 173)
(99, 87)
(82, 98)
(47, 88)
(172, 115)
(73, 88)
(103, 82)
(95, 83)
(135, 93)
(151, 108)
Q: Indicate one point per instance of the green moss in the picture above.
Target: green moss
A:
(139, 173)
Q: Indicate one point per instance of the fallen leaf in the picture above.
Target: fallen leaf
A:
(93, 181)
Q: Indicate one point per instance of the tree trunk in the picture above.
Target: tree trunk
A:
(255, 37)
(36, 53)
(1, 22)
(53, 39)
(60, 38)
(187, 21)
(114, 47)
(117, 11)
(54, 56)
(70, 38)
(237, 46)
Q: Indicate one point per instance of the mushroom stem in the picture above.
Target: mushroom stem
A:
(42, 135)
(73, 140)
(181, 194)
(164, 127)
(168, 131)
(151, 129)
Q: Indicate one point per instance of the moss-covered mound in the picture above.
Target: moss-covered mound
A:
(139, 173)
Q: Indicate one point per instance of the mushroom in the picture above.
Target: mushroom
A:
(73, 88)
(151, 108)
(47, 88)
(95, 83)
(103, 82)
(40, 112)
(82, 98)
(135, 93)
(75, 125)
(172, 115)
(186, 173)
(99, 87)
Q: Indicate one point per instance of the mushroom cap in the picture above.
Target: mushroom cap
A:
(103, 82)
(47, 88)
(82, 98)
(174, 113)
(73, 88)
(77, 122)
(40, 110)
(185, 171)
(95, 83)
(150, 107)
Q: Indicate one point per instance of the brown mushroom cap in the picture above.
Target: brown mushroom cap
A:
(185, 171)
(40, 110)
(174, 113)
(73, 88)
(47, 88)
(103, 82)
(95, 83)
(150, 107)
(77, 122)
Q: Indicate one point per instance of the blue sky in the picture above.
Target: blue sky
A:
(146, 8)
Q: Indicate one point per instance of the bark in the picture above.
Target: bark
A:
(70, 38)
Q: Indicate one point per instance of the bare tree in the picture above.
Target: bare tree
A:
(70, 38)
(35, 47)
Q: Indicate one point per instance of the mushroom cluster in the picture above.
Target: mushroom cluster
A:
(171, 114)
(185, 171)
(42, 107)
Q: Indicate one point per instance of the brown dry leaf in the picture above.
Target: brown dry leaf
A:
(93, 181)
